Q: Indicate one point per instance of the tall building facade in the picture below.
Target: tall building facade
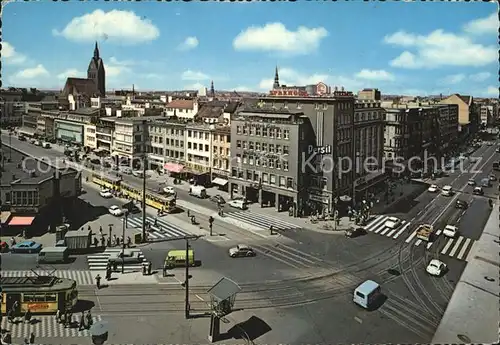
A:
(97, 73)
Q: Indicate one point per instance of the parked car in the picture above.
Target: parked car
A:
(461, 204)
(169, 190)
(106, 193)
(240, 251)
(478, 191)
(128, 256)
(436, 267)
(218, 199)
(433, 188)
(26, 247)
(4, 247)
(471, 182)
(450, 231)
(355, 232)
(115, 211)
(498, 149)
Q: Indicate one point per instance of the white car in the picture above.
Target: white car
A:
(433, 188)
(238, 203)
(392, 223)
(116, 211)
(106, 193)
(447, 191)
(436, 267)
(169, 190)
(450, 231)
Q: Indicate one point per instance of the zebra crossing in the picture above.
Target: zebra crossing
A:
(458, 247)
(98, 262)
(261, 221)
(162, 229)
(82, 277)
(45, 326)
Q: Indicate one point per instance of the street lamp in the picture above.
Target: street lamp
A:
(123, 242)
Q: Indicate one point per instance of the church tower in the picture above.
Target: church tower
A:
(97, 73)
(276, 84)
(212, 89)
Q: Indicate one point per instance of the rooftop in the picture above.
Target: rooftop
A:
(25, 171)
(181, 104)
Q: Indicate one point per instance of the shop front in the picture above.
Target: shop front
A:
(69, 132)
(318, 202)
(372, 183)
(220, 178)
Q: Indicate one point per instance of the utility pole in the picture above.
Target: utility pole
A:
(186, 282)
(123, 242)
(143, 137)
(10, 145)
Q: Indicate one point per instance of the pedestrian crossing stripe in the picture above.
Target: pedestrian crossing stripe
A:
(46, 326)
(159, 231)
(377, 226)
(99, 262)
(260, 221)
(82, 277)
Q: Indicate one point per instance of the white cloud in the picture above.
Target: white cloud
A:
(116, 70)
(453, 79)
(492, 91)
(151, 76)
(115, 61)
(483, 25)
(241, 88)
(374, 75)
(31, 73)
(189, 43)
(11, 56)
(438, 49)
(121, 26)
(194, 75)
(275, 37)
(71, 72)
(481, 76)
(195, 86)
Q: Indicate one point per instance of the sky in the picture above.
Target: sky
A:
(405, 48)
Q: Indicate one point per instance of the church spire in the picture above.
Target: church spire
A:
(276, 79)
(96, 51)
(212, 89)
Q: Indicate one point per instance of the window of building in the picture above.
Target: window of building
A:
(189, 134)
(278, 133)
(256, 176)
(258, 131)
(264, 162)
(245, 145)
(238, 144)
(285, 165)
(250, 145)
(272, 132)
(250, 160)
(271, 148)
(206, 136)
(248, 175)
(252, 130)
(238, 158)
(279, 149)
(324, 183)
(264, 132)
(265, 178)
(278, 164)
(286, 134)
(271, 164)
(272, 179)
(257, 146)
(257, 161)
(195, 146)
(234, 172)
(245, 159)
(325, 106)
(245, 130)
(316, 106)
(206, 148)
(240, 174)
(285, 149)
(264, 147)
(282, 182)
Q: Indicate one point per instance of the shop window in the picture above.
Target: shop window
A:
(272, 179)
(282, 181)
(289, 182)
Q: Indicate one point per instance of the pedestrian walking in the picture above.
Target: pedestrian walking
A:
(58, 316)
(90, 321)
(32, 338)
(81, 325)
(108, 273)
(98, 281)
(96, 242)
(150, 267)
(129, 241)
(27, 316)
(103, 241)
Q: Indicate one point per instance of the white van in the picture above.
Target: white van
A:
(447, 191)
(52, 255)
(367, 293)
(46, 145)
(198, 191)
(238, 203)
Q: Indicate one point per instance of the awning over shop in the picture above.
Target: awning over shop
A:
(21, 221)
(26, 131)
(219, 181)
(173, 167)
(5, 217)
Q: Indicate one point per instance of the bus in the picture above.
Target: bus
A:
(40, 294)
(161, 202)
(130, 192)
(106, 181)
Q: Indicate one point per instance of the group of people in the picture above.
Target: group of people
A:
(112, 240)
(66, 318)
(12, 315)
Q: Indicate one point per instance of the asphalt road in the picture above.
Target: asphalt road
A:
(26, 262)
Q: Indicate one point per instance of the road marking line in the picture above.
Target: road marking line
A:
(402, 230)
(418, 242)
(464, 249)
(439, 232)
(447, 246)
(457, 245)
(429, 245)
(381, 228)
(413, 234)
(389, 229)
(376, 224)
(201, 299)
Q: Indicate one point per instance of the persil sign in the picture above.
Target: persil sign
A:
(288, 92)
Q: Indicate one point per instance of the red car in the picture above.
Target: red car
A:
(4, 247)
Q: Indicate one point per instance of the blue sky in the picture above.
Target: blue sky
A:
(406, 48)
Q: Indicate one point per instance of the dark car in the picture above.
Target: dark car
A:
(478, 191)
(461, 204)
(355, 232)
(493, 178)
(218, 199)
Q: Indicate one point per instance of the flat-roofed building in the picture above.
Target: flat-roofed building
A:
(166, 145)
(221, 155)
(198, 141)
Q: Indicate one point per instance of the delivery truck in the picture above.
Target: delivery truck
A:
(198, 191)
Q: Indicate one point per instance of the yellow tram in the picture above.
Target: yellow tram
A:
(161, 202)
(106, 181)
(39, 294)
